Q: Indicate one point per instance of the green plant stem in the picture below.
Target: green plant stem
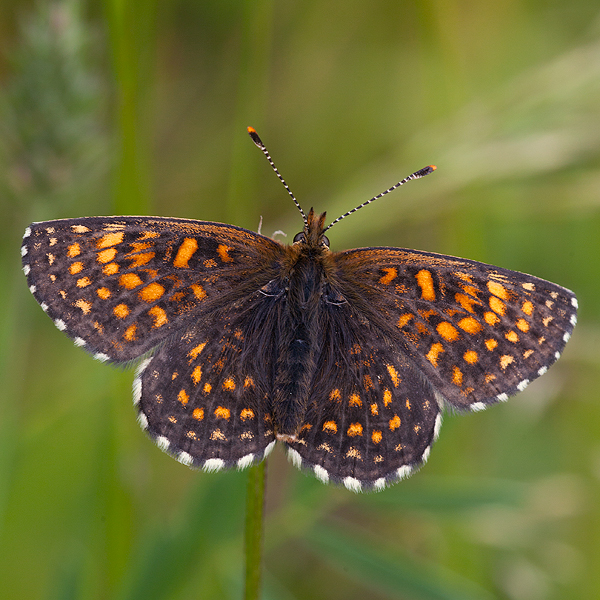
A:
(254, 529)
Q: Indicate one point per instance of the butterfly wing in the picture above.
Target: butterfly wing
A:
(476, 332)
(373, 417)
(120, 285)
(203, 396)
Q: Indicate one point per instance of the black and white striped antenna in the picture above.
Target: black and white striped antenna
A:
(416, 175)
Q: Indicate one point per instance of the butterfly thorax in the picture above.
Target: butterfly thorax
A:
(305, 280)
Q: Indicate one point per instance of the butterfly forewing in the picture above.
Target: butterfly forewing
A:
(120, 285)
(478, 333)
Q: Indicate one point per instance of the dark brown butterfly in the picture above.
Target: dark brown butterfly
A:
(345, 357)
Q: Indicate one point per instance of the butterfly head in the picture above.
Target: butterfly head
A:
(312, 236)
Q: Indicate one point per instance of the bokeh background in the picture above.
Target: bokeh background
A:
(123, 107)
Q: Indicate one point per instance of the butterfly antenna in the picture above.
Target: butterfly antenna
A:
(416, 175)
(262, 147)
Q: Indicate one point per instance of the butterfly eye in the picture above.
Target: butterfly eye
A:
(325, 241)
(300, 237)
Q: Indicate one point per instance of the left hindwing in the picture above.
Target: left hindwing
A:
(478, 333)
(120, 285)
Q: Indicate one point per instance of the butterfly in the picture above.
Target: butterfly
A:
(347, 358)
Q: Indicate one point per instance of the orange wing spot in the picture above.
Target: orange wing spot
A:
(139, 260)
(110, 239)
(497, 305)
(491, 344)
(223, 252)
(194, 352)
(198, 414)
(457, 376)
(129, 281)
(425, 282)
(222, 413)
(395, 423)
(330, 426)
(394, 375)
(417, 428)
(110, 269)
(447, 331)
(78, 229)
(174, 376)
(421, 328)
(229, 384)
(505, 360)
(355, 429)
(185, 252)
(247, 413)
(198, 291)
(434, 352)
(197, 375)
(207, 388)
(84, 305)
(75, 268)
(84, 282)
(151, 293)
(209, 263)
(498, 290)
(356, 349)
(387, 397)
(512, 336)
(523, 325)
(541, 340)
(376, 436)
(464, 276)
(403, 320)
(546, 321)
(103, 293)
(527, 308)
(353, 453)
(105, 256)
(335, 395)
(98, 327)
(217, 434)
(121, 311)
(129, 334)
(470, 356)
(148, 235)
(172, 419)
(390, 274)
(355, 400)
(466, 301)
(407, 403)
(159, 316)
(530, 287)
(73, 250)
(183, 397)
(51, 258)
(528, 353)
(374, 409)
(367, 382)
(489, 377)
(470, 325)
(491, 318)
(378, 458)
(191, 434)
(248, 382)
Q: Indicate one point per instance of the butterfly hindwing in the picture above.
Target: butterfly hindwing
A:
(198, 399)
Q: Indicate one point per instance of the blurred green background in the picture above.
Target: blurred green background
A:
(122, 107)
